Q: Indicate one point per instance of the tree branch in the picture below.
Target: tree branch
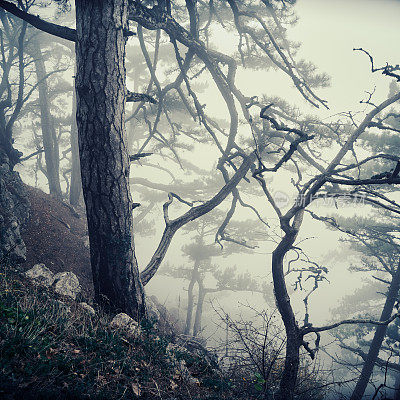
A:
(48, 27)
(315, 329)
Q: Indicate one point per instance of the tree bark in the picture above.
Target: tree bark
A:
(101, 91)
(377, 340)
(293, 335)
(189, 311)
(76, 182)
(49, 137)
(199, 309)
(397, 385)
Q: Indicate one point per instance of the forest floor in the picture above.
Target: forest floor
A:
(52, 348)
(55, 236)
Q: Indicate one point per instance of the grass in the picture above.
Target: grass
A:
(53, 349)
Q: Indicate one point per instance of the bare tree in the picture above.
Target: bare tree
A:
(336, 174)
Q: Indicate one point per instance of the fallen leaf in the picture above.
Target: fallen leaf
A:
(135, 389)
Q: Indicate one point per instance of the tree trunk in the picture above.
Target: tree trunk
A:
(377, 340)
(100, 90)
(293, 335)
(76, 183)
(189, 312)
(199, 310)
(397, 385)
(50, 141)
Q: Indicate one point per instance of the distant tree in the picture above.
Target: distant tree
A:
(201, 252)
(50, 139)
(13, 40)
(375, 241)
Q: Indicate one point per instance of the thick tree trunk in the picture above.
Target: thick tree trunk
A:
(100, 89)
(377, 340)
(397, 385)
(76, 182)
(293, 335)
(50, 143)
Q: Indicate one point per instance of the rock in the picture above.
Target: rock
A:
(14, 212)
(125, 322)
(89, 309)
(39, 273)
(66, 284)
(184, 372)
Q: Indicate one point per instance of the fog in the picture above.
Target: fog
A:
(337, 255)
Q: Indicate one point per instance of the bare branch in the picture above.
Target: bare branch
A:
(310, 329)
(54, 29)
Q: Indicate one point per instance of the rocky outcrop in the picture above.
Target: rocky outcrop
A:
(39, 273)
(124, 322)
(63, 283)
(66, 284)
(14, 213)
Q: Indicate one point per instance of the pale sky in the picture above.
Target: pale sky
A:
(328, 30)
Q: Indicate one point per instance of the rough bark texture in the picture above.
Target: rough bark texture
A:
(14, 212)
(293, 334)
(397, 386)
(49, 137)
(377, 340)
(100, 89)
(76, 182)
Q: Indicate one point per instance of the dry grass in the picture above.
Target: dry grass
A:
(54, 350)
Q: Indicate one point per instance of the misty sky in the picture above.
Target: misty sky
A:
(328, 31)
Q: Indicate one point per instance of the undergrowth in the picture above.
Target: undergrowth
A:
(53, 349)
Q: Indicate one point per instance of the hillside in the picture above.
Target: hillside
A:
(56, 236)
(53, 347)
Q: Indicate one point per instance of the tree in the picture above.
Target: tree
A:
(291, 220)
(14, 205)
(100, 36)
(375, 240)
(50, 140)
(201, 253)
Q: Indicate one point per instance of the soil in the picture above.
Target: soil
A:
(55, 236)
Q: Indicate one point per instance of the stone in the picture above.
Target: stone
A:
(125, 322)
(14, 212)
(183, 371)
(89, 309)
(39, 273)
(66, 284)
